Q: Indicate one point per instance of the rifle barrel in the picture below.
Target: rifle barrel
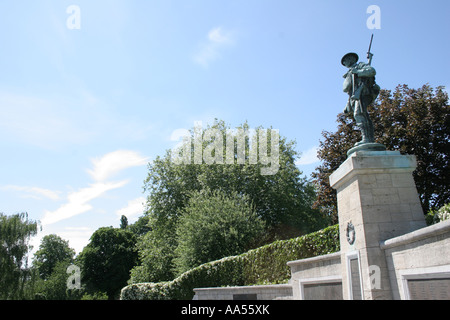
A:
(370, 45)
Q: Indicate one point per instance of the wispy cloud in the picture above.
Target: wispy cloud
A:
(217, 39)
(78, 237)
(105, 167)
(133, 209)
(113, 162)
(33, 192)
(308, 157)
(78, 201)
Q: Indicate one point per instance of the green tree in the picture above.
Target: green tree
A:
(123, 222)
(214, 225)
(15, 233)
(413, 121)
(53, 249)
(95, 296)
(54, 287)
(282, 200)
(436, 216)
(106, 261)
(141, 226)
(156, 254)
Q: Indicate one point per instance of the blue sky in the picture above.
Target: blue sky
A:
(82, 111)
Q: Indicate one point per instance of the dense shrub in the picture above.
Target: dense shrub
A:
(266, 264)
(435, 216)
(215, 225)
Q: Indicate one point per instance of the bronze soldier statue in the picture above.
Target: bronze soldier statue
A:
(362, 90)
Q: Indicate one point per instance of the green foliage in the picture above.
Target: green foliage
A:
(283, 201)
(123, 222)
(435, 216)
(266, 264)
(15, 232)
(226, 271)
(214, 226)
(53, 249)
(413, 121)
(95, 296)
(106, 261)
(156, 253)
(140, 227)
(50, 263)
(54, 287)
(282, 198)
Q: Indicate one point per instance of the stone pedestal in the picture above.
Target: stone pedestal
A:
(377, 200)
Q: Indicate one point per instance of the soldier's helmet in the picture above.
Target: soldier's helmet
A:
(352, 55)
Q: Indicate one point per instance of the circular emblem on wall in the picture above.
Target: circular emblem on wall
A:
(351, 233)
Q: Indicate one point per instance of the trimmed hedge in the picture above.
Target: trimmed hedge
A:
(263, 265)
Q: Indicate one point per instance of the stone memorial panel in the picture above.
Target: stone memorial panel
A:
(429, 289)
(248, 296)
(323, 291)
(355, 279)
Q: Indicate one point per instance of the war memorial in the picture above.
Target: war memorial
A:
(386, 250)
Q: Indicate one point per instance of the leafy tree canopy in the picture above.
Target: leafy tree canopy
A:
(15, 233)
(282, 200)
(106, 261)
(53, 249)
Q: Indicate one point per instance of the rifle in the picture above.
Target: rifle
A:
(369, 54)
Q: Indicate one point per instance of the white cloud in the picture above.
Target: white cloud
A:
(134, 208)
(78, 202)
(113, 162)
(33, 192)
(308, 157)
(104, 167)
(78, 237)
(218, 38)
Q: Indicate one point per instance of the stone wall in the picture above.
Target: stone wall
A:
(263, 292)
(418, 265)
(315, 274)
(422, 254)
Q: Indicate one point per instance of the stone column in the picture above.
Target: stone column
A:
(377, 200)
